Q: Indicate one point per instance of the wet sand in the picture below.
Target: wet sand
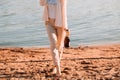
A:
(100, 62)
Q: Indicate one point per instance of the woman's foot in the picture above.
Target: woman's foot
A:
(54, 70)
(57, 73)
(58, 77)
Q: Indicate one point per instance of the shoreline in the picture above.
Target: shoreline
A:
(47, 46)
(95, 62)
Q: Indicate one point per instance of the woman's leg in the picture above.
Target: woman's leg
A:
(60, 40)
(54, 50)
(61, 33)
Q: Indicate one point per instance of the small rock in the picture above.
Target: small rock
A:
(66, 72)
(67, 68)
(75, 74)
(86, 67)
(85, 62)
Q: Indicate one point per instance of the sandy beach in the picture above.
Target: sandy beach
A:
(100, 62)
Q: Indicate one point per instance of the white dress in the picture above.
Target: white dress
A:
(58, 12)
(51, 11)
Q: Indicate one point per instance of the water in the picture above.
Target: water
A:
(90, 21)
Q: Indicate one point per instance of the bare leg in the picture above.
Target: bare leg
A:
(54, 50)
(60, 40)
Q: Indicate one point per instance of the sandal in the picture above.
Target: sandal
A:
(67, 39)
